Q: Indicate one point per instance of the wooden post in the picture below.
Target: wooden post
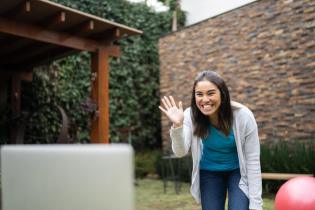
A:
(17, 128)
(15, 107)
(100, 94)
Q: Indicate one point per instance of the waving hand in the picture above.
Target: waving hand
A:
(174, 113)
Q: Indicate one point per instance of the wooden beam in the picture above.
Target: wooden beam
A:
(52, 37)
(16, 94)
(12, 44)
(109, 35)
(100, 94)
(15, 108)
(90, 25)
(82, 29)
(43, 54)
(62, 17)
(281, 176)
(20, 55)
(45, 58)
(54, 20)
(18, 10)
(21, 47)
(26, 75)
(27, 6)
(17, 128)
(112, 50)
(117, 33)
(128, 30)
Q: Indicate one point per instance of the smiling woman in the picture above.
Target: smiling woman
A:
(211, 102)
(223, 138)
(208, 99)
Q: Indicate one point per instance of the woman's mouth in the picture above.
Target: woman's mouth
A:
(207, 107)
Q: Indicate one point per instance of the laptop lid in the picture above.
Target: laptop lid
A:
(67, 177)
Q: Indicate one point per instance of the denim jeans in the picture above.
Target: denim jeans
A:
(213, 188)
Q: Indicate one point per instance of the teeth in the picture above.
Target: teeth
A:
(207, 106)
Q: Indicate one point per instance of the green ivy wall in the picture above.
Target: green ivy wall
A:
(134, 79)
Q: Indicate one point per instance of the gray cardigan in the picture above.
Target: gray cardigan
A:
(248, 149)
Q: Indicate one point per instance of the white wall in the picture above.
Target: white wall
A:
(198, 10)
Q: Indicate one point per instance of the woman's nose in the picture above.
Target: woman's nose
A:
(206, 98)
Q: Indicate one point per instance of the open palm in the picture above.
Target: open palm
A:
(170, 109)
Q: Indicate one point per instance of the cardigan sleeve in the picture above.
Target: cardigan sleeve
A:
(253, 168)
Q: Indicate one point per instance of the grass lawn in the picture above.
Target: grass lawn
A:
(150, 196)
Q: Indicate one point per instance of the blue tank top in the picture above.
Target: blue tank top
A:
(219, 151)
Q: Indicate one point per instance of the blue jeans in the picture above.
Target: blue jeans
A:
(213, 188)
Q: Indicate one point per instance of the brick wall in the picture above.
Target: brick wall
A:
(266, 53)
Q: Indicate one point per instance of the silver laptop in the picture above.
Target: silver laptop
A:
(67, 177)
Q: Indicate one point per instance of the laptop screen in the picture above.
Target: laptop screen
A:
(67, 177)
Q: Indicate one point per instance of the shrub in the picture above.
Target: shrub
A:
(182, 167)
(286, 157)
(146, 162)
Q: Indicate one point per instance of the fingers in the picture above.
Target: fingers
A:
(167, 101)
(172, 101)
(180, 105)
(163, 110)
(166, 106)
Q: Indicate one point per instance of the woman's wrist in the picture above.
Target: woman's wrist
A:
(175, 125)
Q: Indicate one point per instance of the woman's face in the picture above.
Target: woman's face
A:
(208, 98)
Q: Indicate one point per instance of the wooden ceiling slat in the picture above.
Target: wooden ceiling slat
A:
(63, 52)
(27, 6)
(62, 17)
(82, 29)
(42, 59)
(54, 20)
(43, 35)
(48, 57)
(18, 56)
(108, 36)
(118, 33)
(19, 10)
(129, 30)
(13, 45)
(40, 55)
(30, 28)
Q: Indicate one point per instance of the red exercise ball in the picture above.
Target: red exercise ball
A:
(296, 194)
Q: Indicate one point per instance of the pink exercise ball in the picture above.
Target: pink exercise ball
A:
(297, 193)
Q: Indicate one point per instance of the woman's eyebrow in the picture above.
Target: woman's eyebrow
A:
(211, 91)
(207, 91)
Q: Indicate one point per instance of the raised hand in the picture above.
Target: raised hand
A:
(174, 113)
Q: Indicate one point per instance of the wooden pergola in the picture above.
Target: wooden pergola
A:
(36, 32)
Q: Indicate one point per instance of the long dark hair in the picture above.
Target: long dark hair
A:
(201, 121)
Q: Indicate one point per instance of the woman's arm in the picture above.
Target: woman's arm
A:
(181, 137)
(252, 155)
(181, 130)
